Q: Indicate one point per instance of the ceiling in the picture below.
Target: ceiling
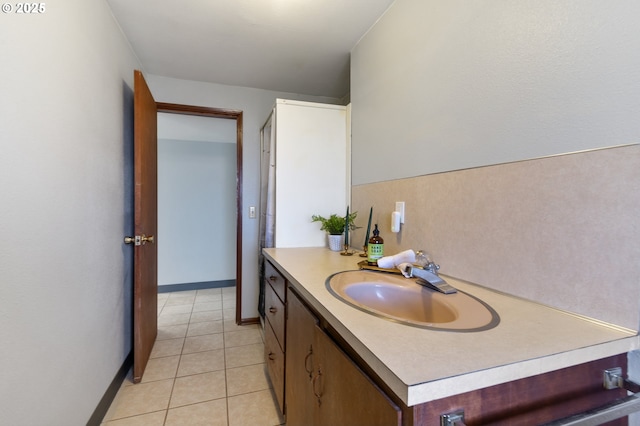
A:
(296, 46)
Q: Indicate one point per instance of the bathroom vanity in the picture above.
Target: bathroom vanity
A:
(330, 363)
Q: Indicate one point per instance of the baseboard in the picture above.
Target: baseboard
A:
(249, 321)
(110, 394)
(196, 286)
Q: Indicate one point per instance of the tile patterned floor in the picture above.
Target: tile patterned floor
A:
(203, 370)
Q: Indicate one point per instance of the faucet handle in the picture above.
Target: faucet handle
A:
(422, 258)
(425, 261)
(432, 267)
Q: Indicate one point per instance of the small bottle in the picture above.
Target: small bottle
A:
(375, 248)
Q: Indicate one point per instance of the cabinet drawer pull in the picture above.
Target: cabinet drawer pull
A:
(318, 394)
(309, 370)
(272, 356)
(273, 310)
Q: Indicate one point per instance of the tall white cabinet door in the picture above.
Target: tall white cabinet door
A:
(311, 170)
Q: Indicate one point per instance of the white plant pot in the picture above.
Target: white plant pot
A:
(335, 242)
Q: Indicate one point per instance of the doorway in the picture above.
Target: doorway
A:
(229, 115)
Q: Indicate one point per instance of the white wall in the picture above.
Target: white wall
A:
(196, 210)
(256, 105)
(65, 205)
(451, 84)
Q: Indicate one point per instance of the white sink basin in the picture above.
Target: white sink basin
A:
(396, 298)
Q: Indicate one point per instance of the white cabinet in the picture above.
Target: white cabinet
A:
(311, 160)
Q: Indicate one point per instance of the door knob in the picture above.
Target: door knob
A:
(139, 239)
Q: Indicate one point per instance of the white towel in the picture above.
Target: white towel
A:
(390, 262)
(403, 268)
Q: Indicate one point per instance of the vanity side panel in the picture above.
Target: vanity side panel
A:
(534, 400)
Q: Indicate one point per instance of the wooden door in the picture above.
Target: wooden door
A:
(145, 281)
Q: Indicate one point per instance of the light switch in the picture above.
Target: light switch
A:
(252, 212)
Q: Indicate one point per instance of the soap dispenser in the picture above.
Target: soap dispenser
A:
(375, 249)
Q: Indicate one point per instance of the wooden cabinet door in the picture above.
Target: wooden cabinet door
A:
(346, 395)
(300, 402)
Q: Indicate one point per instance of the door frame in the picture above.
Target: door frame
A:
(231, 114)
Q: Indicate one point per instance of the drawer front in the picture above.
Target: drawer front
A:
(274, 357)
(277, 281)
(274, 311)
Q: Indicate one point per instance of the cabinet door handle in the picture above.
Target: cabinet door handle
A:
(273, 278)
(318, 394)
(309, 370)
(272, 356)
(273, 310)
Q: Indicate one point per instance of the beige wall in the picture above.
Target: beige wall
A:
(564, 230)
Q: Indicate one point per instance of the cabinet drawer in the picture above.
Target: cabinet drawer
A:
(277, 281)
(274, 311)
(274, 357)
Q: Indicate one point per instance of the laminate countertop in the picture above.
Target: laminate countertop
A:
(422, 365)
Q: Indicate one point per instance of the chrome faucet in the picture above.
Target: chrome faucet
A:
(428, 277)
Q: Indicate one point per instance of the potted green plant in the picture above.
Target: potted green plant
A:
(334, 225)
